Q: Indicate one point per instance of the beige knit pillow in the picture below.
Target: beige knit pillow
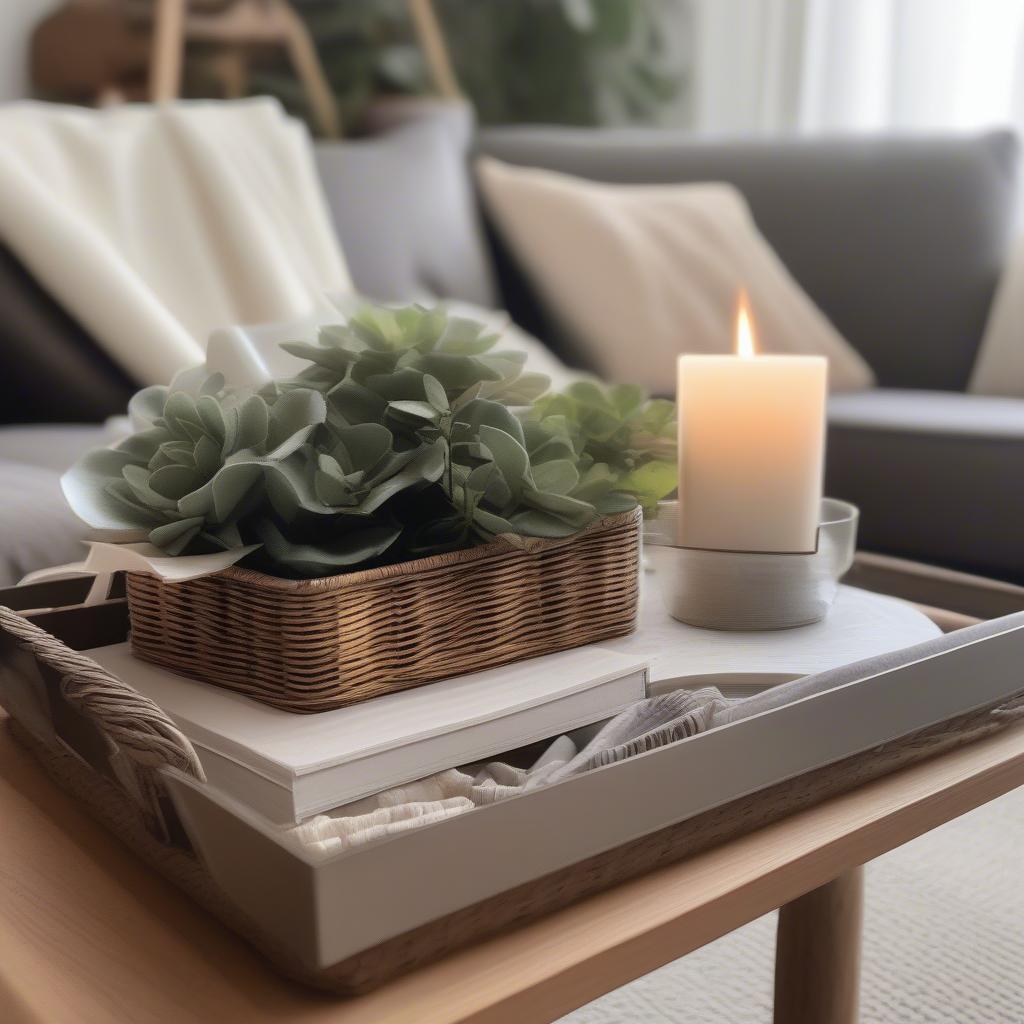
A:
(641, 273)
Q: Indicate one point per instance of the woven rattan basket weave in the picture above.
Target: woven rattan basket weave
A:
(313, 645)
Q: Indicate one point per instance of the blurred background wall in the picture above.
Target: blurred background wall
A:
(849, 65)
(17, 19)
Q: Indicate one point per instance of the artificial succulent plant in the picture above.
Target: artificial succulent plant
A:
(407, 434)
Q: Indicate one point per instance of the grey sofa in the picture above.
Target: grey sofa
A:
(899, 241)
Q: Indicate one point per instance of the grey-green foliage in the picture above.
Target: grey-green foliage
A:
(216, 469)
(193, 473)
(381, 357)
(620, 436)
(408, 433)
(511, 477)
(439, 380)
(332, 502)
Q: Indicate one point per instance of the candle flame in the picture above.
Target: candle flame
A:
(745, 346)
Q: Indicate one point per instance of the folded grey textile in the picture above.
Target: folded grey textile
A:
(646, 725)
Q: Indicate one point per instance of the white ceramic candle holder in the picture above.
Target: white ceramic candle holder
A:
(749, 590)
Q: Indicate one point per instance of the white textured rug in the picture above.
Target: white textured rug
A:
(943, 941)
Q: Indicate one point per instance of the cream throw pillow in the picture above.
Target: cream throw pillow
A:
(999, 367)
(641, 273)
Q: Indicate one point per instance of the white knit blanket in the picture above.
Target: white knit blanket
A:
(154, 226)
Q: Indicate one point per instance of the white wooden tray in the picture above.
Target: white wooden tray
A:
(489, 850)
(860, 625)
(355, 917)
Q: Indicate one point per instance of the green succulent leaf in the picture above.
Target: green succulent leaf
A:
(293, 417)
(537, 523)
(570, 510)
(516, 391)
(650, 482)
(146, 406)
(618, 428)
(291, 487)
(456, 354)
(352, 403)
(253, 419)
(559, 476)
(352, 548)
(413, 415)
(481, 412)
(138, 479)
(493, 524)
(89, 486)
(365, 444)
(596, 482)
(509, 456)
(614, 503)
(175, 537)
(328, 354)
(436, 394)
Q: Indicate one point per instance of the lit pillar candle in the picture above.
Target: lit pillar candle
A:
(751, 447)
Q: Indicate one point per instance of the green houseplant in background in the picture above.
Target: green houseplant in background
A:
(581, 62)
(584, 62)
(410, 433)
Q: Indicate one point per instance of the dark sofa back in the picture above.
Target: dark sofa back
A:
(899, 240)
(51, 370)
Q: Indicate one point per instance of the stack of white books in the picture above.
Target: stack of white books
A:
(288, 766)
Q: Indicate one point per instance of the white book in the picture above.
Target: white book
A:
(288, 766)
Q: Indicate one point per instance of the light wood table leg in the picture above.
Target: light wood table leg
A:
(817, 954)
(168, 44)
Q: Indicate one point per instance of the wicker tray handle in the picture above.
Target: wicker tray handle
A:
(131, 721)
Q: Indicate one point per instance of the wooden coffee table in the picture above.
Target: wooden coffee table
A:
(89, 934)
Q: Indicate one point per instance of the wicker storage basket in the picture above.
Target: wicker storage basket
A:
(313, 645)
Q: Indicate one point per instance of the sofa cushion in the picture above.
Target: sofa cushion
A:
(937, 475)
(37, 529)
(640, 273)
(899, 240)
(57, 446)
(404, 210)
